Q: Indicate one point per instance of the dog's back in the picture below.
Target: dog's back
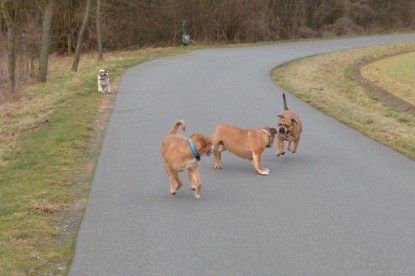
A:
(231, 134)
(237, 140)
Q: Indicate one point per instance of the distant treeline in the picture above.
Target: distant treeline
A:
(141, 23)
(134, 24)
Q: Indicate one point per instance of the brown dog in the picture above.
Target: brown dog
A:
(245, 143)
(289, 129)
(180, 153)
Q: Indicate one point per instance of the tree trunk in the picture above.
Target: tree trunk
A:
(99, 32)
(11, 46)
(81, 37)
(44, 52)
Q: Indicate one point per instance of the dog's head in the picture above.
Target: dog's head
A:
(203, 144)
(285, 126)
(103, 73)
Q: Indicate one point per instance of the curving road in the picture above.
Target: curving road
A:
(343, 205)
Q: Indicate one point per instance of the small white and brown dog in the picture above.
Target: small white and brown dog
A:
(104, 81)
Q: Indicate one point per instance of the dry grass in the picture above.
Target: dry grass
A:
(343, 96)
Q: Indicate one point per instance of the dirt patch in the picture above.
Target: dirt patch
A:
(378, 93)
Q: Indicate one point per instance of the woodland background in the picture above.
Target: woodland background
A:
(31, 30)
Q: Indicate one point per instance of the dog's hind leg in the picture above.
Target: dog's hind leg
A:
(175, 183)
(217, 150)
(174, 180)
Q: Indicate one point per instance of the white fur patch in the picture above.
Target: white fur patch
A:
(289, 138)
(190, 163)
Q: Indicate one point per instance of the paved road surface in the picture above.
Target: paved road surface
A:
(343, 205)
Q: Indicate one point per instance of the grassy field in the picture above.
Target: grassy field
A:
(344, 85)
(50, 141)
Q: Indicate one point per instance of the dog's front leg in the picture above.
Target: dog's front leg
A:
(256, 162)
(99, 87)
(194, 181)
(289, 146)
(280, 148)
(109, 86)
(296, 142)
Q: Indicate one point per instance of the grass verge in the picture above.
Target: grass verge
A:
(50, 142)
(339, 85)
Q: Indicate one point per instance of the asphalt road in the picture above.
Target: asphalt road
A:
(343, 205)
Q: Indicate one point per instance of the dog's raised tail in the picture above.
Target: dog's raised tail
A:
(285, 102)
(176, 125)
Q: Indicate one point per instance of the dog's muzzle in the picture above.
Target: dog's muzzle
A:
(282, 131)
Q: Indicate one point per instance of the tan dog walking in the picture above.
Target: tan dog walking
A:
(180, 153)
(245, 143)
(289, 129)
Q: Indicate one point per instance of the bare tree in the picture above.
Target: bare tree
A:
(81, 37)
(46, 34)
(99, 32)
(7, 9)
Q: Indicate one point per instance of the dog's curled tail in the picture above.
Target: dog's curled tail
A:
(176, 125)
(285, 102)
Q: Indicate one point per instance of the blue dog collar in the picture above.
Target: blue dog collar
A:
(194, 150)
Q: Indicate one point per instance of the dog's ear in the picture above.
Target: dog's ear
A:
(280, 116)
(273, 130)
(293, 121)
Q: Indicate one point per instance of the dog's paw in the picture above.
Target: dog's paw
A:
(218, 167)
(280, 153)
(173, 193)
(193, 188)
(264, 172)
(197, 196)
